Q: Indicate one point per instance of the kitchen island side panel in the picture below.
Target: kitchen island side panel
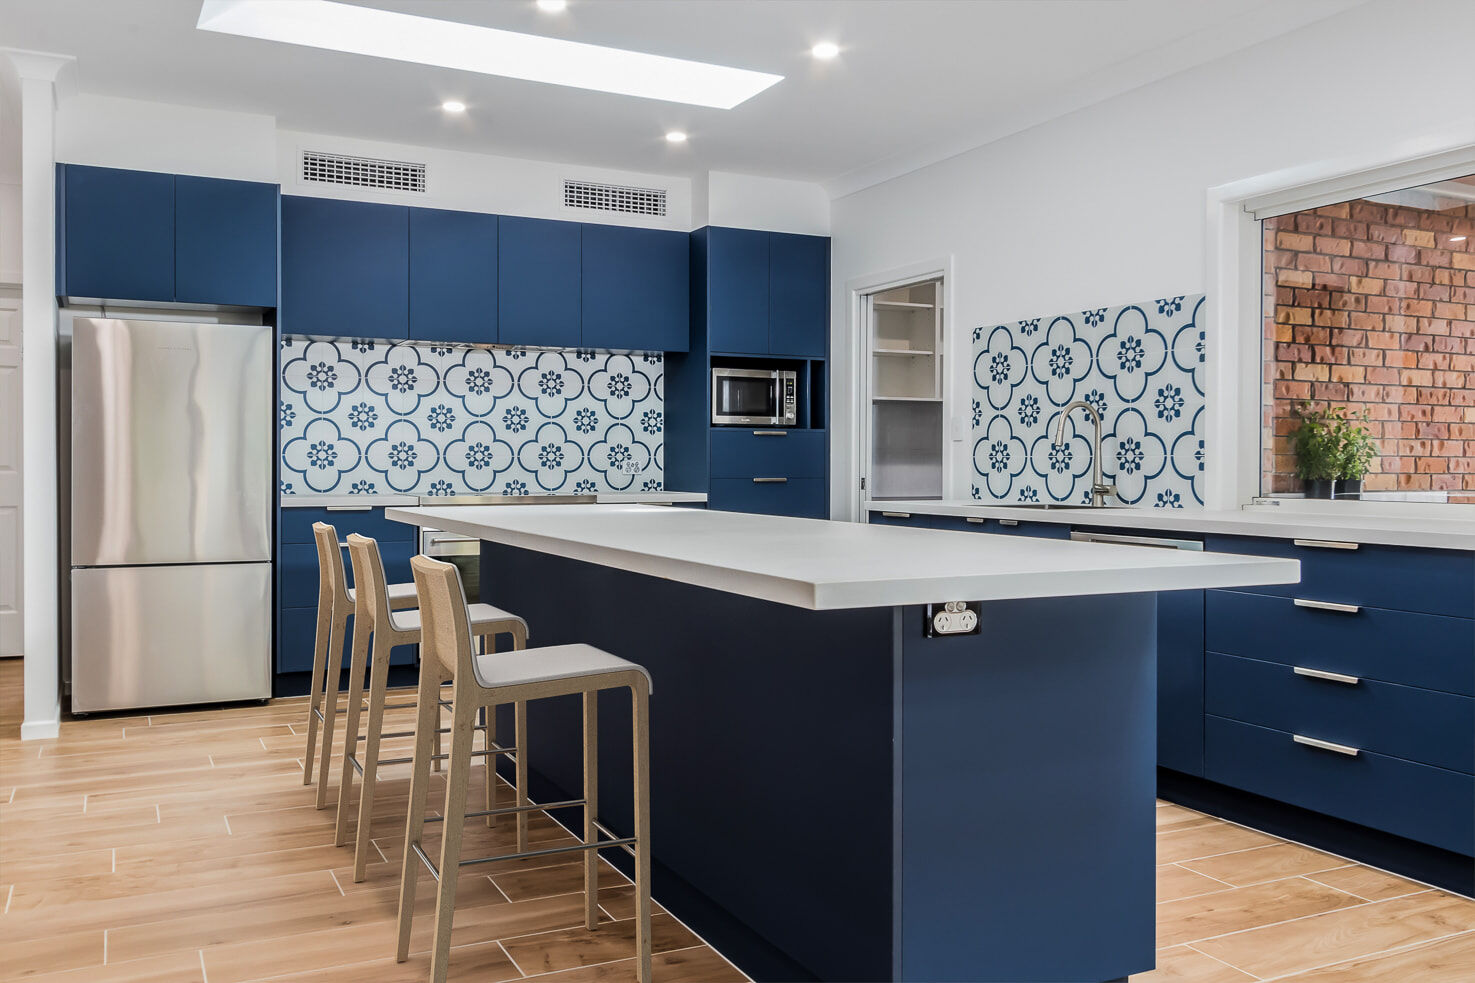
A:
(771, 749)
(1027, 789)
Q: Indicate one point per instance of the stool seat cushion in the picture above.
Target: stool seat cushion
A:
(482, 616)
(400, 596)
(539, 665)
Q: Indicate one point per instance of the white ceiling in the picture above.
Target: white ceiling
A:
(917, 79)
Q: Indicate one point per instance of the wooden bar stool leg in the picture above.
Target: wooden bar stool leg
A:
(427, 720)
(463, 717)
(520, 741)
(488, 740)
(379, 681)
(591, 809)
(640, 701)
(332, 674)
(351, 728)
(320, 648)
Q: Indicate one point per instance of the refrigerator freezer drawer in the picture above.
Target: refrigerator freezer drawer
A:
(162, 636)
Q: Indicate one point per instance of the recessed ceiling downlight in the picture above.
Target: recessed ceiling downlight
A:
(825, 50)
(453, 106)
(675, 136)
(486, 50)
(553, 6)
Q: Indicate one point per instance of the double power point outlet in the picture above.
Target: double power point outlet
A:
(952, 618)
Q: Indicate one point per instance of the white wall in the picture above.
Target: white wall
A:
(746, 201)
(153, 136)
(1108, 205)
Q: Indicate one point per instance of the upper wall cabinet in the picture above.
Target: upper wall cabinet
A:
(539, 299)
(453, 276)
(737, 291)
(798, 294)
(225, 238)
(141, 235)
(767, 293)
(636, 287)
(345, 268)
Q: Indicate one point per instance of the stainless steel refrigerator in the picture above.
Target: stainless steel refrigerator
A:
(171, 513)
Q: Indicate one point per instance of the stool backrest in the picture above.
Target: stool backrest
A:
(445, 625)
(332, 586)
(368, 576)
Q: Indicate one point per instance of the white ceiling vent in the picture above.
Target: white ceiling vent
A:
(614, 198)
(362, 172)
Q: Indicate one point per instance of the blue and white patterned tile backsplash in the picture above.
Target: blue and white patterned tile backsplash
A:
(372, 417)
(1140, 365)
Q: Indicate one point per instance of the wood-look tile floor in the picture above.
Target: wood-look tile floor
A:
(183, 846)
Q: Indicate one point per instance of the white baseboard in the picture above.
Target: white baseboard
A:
(42, 730)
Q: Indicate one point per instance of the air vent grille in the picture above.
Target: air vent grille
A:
(614, 198)
(362, 172)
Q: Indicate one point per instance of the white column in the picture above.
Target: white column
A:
(39, 561)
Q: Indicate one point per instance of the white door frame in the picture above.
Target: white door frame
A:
(856, 424)
(1233, 258)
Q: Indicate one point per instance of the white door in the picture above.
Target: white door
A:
(10, 460)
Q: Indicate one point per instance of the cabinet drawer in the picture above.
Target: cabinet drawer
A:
(1431, 581)
(1423, 650)
(806, 498)
(744, 453)
(297, 524)
(298, 570)
(1400, 721)
(1430, 805)
(917, 520)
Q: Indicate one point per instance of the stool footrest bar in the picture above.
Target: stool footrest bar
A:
(509, 810)
(528, 854)
(611, 833)
(425, 860)
(411, 733)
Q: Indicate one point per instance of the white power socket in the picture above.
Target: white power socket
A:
(952, 618)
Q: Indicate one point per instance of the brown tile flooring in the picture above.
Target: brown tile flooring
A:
(183, 847)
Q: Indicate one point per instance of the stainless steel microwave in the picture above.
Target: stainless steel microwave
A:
(755, 397)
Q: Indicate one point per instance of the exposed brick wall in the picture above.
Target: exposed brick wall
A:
(1373, 307)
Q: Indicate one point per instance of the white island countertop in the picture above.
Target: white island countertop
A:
(1375, 526)
(821, 565)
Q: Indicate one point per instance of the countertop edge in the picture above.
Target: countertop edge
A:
(1366, 530)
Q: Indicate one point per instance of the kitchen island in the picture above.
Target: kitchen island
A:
(836, 794)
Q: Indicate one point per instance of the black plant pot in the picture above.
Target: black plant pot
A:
(1320, 487)
(1349, 488)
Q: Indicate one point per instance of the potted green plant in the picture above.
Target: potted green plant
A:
(1318, 446)
(1357, 453)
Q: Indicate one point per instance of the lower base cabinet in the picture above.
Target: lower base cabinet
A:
(1423, 803)
(1180, 681)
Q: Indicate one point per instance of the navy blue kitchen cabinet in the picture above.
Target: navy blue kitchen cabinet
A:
(345, 268)
(737, 291)
(453, 276)
(539, 295)
(116, 233)
(739, 453)
(803, 498)
(636, 284)
(1180, 681)
(798, 294)
(225, 242)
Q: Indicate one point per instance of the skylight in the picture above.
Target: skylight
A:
(486, 50)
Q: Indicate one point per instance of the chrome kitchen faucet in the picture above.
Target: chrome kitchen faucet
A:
(1099, 491)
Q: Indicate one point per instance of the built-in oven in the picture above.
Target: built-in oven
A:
(755, 397)
(463, 552)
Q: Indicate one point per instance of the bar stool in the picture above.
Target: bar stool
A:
(481, 680)
(391, 627)
(335, 603)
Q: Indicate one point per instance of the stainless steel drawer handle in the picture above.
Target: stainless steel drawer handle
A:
(1325, 544)
(1351, 752)
(349, 508)
(770, 433)
(769, 481)
(1302, 602)
(897, 515)
(1335, 677)
(1008, 522)
(975, 520)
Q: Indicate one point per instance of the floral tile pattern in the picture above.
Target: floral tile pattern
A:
(1141, 366)
(371, 417)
